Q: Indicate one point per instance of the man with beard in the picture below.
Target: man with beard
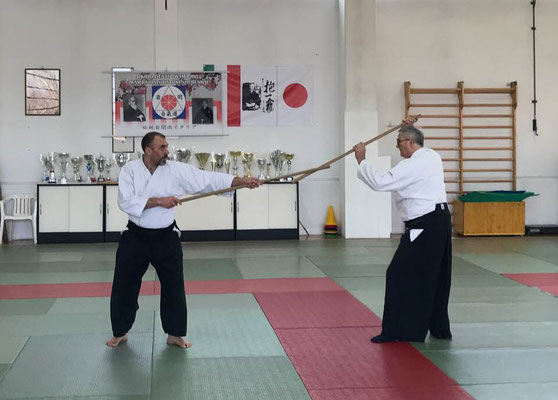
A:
(148, 191)
(132, 112)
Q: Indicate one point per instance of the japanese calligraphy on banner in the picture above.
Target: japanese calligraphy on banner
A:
(175, 103)
(268, 96)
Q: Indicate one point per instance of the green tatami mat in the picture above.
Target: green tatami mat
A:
(510, 263)
(515, 391)
(67, 324)
(210, 269)
(245, 378)
(25, 306)
(496, 335)
(84, 366)
(483, 366)
(277, 267)
(222, 333)
(10, 346)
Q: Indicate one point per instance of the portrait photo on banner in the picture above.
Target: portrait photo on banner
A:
(174, 103)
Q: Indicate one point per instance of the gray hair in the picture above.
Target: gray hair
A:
(413, 133)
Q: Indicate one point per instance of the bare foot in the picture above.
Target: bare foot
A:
(115, 341)
(178, 341)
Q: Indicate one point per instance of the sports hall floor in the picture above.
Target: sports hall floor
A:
(279, 320)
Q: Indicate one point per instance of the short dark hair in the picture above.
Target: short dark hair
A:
(148, 139)
(413, 133)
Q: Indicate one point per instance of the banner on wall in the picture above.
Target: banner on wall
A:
(174, 103)
(269, 96)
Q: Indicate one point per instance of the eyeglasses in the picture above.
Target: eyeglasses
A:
(401, 140)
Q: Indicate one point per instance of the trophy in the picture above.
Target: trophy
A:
(63, 160)
(278, 160)
(50, 163)
(267, 170)
(121, 159)
(76, 163)
(183, 155)
(289, 157)
(220, 160)
(90, 167)
(101, 163)
(247, 159)
(108, 167)
(202, 159)
(261, 165)
(212, 161)
(46, 169)
(235, 155)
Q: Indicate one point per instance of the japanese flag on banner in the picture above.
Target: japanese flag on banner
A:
(295, 95)
(258, 96)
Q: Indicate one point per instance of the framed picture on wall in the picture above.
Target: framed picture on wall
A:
(42, 91)
(123, 144)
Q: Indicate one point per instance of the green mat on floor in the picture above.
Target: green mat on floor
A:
(496, 196)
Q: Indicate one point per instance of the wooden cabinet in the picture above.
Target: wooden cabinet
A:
(489, 219)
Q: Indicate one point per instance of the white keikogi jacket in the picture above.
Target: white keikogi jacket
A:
(136, 185)
(417, 182)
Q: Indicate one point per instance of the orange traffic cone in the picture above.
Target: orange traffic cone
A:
(330, 227)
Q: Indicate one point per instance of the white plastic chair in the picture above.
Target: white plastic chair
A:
(24, 207)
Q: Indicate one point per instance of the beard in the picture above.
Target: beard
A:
(163, 161)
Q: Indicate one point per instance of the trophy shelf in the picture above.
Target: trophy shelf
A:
(89, 212)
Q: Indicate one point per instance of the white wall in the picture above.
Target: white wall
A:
(485, 43)
(429, 42)
(84, 38)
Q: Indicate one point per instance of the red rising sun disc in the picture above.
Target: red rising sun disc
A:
(295, 95)
(168, 102)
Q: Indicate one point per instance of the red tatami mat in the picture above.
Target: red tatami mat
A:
(344, 358)
(402, 393)
(65, 290)
(102, 289)
(260, 285)
(535, 279)
(315, 309)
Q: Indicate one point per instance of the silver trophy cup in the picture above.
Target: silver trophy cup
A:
(289, 157)
(278, 161)
(101, 163)
(63, 160)
(50, 163)
(183, 155)
(46, 169)
(219, 161)
(261, 166)
(76, 163)
(90, 162)
(121, 159)
(235, 155)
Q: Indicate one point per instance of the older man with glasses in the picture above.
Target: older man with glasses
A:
(418, 279)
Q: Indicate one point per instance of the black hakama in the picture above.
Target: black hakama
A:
(418, 280)
(137, 248)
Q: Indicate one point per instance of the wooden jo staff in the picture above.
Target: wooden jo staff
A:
(303, 174)
(381, 135)
(185, 198)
